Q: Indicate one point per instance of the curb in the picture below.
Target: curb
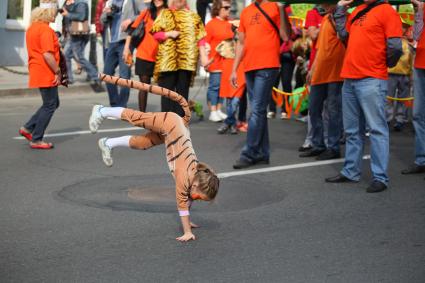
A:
(34, 91)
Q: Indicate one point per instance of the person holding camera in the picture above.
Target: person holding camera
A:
(76, 14)
(117, 16)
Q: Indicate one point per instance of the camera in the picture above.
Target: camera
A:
(60, 10)
(115, 9)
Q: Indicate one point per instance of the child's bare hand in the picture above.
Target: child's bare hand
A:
(186, 237)
(193, 225)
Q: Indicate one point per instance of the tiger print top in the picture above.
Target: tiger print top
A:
(168, 128)
(181, 53)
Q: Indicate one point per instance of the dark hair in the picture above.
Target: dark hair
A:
(208, 180)
(216, 6)
(153, 10)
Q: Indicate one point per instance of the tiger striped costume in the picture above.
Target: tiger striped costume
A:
(181, 53)
(168, 128)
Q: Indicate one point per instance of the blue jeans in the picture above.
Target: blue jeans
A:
(398, 86)
(114, 59)
(331, 92)
(419, 115)
(38, 123)
(363, 102)
(231, 107)
(259, 84)
(214, 89)
(75, 49)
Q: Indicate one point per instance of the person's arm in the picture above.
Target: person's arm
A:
(285, 25)
(51, 62)
(203, 54)
(99, 8)
(126, 52)
(419, 19)
(187, 230)
(394, 51)
(240, 49)
(340, 17)
(80, 14)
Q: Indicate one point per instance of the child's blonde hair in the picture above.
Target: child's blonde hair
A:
(208, 181)
(44, 15)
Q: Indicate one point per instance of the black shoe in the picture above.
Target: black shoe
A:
(223, 129)
(312, 152)
(398, 127)
(339, 179)
(262, 162)
(328, 154)
(304, 148)
(414, 169)
(97, 86)
(233, 130)
(242, 163)
(376, 187)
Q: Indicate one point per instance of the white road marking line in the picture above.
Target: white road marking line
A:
(86, 132)
(284, 167)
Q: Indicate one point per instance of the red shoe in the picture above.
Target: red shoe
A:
(23, 132)
(242, 127)
(41, 145)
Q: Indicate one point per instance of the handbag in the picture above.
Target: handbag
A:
(137, 34)
(226, 48)
(270, 21)
(79, 28)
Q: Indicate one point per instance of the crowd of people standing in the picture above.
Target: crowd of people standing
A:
(245, 59)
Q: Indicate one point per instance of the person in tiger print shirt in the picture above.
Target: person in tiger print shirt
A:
(194, 180)
(181, 34)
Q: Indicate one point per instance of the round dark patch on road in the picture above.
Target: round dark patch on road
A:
(157, 194)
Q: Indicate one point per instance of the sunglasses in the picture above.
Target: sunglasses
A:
(226, 7)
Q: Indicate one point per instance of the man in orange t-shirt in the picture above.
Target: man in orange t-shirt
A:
(326, 84)
(259, 45)
(374, 44)
(419, 90)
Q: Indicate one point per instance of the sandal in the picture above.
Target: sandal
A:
(41, 145)
(24, 132)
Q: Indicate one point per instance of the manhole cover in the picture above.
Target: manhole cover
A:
(157, 194)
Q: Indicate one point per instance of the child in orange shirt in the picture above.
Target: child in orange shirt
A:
(194, 180)
(44, 71)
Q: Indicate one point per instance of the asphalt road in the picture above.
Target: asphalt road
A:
(65, 217)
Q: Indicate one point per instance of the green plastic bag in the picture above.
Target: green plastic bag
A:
(297, 93)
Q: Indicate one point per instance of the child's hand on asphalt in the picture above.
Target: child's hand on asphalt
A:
(186, 237)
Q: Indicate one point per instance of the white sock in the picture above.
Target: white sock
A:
(114, 112)
(123, 141)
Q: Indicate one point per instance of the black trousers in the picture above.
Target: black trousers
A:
(38, 123)
(287, 66)
(178, 81)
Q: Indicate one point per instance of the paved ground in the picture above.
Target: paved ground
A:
(65, 217)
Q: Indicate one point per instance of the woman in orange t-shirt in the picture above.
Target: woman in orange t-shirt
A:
(44, 71)
(218, 29)
(147, 49)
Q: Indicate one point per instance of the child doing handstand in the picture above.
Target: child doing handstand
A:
(194, 180)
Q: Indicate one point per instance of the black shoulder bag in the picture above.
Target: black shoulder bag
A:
(270, 20)
(137, 34)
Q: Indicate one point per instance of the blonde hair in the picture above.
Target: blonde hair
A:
(208, 181)
(42, 14)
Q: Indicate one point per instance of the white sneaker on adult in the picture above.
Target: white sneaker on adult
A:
(95, 119)
(215, 117)
(106, 152)
(271, 115)
(221, 114)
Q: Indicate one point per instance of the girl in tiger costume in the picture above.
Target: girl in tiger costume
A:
(194, 180)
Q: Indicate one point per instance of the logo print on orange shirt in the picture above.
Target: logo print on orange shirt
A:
(359, 21)
(255, 20)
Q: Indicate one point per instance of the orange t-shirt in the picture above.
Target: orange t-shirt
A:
(40, 38)
(420, 51)
(226, 89)
(148, 48)
(217, 31)
(329, 56)
(261, 39)
(366, 54)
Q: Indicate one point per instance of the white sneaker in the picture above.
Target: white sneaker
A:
(221, 115)
(106, 152)
(95, 119)
(283, 116)
(271, 115)
(215, 117)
